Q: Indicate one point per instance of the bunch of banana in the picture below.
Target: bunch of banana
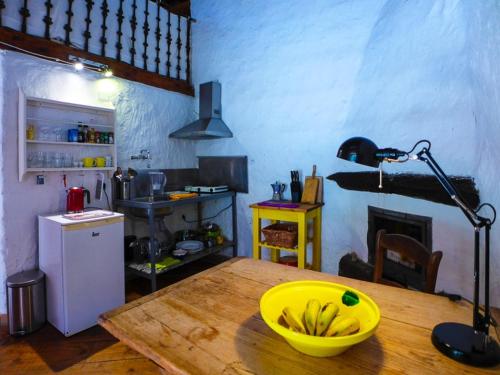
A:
(320, 320)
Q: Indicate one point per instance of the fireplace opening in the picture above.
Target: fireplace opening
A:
(418, 227)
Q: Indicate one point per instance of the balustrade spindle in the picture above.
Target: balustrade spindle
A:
(67, 27)
(119, 46)
(133, 26)
(86, 34)
(158, 37)
(145, 27)
(179, 47)
(169, 43)
(2, 7)
(188, 49)
(103, 40)
(47, 19)
(25, 13)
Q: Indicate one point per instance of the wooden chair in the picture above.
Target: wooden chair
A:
(410, 249)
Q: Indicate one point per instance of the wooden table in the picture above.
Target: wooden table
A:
(300, 215)
(210, 324)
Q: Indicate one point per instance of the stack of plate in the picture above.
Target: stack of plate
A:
(191, 246)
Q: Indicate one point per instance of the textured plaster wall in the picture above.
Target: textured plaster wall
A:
(144, 115)
(297, 81)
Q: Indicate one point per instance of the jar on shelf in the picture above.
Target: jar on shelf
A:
(80, 133)
(91, 136)
(30, 132)
(85, 133)
(97, 137)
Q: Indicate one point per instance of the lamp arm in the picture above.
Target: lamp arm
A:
(480, 323)
(426, 157)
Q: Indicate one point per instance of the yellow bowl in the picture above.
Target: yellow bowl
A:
(296, 294)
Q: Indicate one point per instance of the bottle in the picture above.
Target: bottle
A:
(110, 138)
(91, 135)
(30, 132)
(97, 137)
(85, 133)
(80, 132)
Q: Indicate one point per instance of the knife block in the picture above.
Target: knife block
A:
(296, 190)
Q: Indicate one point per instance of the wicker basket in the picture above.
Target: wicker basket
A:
(282, 235)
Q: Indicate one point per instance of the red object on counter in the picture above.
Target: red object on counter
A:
(75, 199)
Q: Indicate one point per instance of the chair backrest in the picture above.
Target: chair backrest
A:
(410, 249)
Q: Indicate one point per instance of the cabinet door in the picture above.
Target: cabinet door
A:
(21, 126)
(93, 271)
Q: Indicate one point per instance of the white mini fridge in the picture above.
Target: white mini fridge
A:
(84, 265)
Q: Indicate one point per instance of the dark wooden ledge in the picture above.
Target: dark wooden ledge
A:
(419, 186)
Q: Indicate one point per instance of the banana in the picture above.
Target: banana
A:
(311, 315)
(327, 313)
(343, 327)
(293, 320)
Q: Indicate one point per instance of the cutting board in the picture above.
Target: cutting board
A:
(319, 196)
(311, 185)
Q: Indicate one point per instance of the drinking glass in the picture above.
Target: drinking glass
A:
(48, 159)
(58, 135)
(44, 133)
(58, 160)
(30, 160)
(38, 159)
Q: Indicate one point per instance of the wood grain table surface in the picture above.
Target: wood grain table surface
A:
(210, 324)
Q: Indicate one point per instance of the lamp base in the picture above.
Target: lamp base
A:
(464, 344)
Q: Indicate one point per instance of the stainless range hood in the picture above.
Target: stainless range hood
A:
(210, 124)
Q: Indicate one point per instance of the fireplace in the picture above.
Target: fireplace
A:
(415, 226)
(400, 270)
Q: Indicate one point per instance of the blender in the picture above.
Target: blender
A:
(157, 181)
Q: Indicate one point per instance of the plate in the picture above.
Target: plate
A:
(179, 253)
(191, 246)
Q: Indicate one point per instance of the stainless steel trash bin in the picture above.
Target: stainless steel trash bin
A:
(26, 302)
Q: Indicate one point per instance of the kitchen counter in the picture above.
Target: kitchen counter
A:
(159, 203)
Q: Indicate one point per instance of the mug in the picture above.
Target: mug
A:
(100, 161)
(89, 162)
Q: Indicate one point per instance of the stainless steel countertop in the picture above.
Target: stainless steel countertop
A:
(145, 203)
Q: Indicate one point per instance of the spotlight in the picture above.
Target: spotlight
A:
(78, 66)
(108, 73)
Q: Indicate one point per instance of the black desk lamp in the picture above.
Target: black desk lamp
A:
(463, 343)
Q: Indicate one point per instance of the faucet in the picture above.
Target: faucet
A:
(144, 155)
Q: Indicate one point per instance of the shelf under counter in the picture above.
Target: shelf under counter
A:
(156, 204)
(185, 260)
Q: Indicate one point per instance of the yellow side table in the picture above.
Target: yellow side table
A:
(300, 215)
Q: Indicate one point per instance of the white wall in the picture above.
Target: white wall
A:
(298, 80)
(145, 116)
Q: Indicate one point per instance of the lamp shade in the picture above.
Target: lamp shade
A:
(359, 150)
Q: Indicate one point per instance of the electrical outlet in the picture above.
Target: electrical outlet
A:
(40, 179)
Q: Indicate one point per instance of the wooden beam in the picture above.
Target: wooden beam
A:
(420, 186)
(120, 69)
(180, 7)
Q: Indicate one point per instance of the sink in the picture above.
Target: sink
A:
(156, 198)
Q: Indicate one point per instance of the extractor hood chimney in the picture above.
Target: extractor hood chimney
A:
(210, 124)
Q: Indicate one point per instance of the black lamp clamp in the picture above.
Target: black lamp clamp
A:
(463, 343)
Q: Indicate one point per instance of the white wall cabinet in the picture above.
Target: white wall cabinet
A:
(50, 150)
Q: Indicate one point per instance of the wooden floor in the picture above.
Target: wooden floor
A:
(93, 351)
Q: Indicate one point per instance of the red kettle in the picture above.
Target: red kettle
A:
(75, 199)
